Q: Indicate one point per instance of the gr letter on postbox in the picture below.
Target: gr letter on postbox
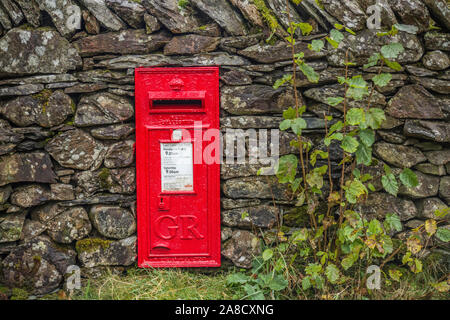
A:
(178, 191)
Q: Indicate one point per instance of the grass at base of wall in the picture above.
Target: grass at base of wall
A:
(158, 284)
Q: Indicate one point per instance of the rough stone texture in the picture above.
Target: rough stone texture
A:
(30, 195)
(46, 109)
(379, 204)
(112, 221)
(73, 224)
(130, 11)
(90, 23)
(437, 41)
(421, 104)
(13, 10)
(38, 264)
(348, 13)
(191, 44)
(438, 157)
(250, 11)
(444, 189)
(223, 14)
(366, 42)
(151, 23)
(440, 11)
(99, 9)
(428, 187)
(429, 130)
(26, 167)
(75, 149)
(254, 99)
(241, 248)
(65, 14)
(436, 60)
(102, 108)
(399, 156)
(30, 9)
(123, 42)
(11, 226)
(17, 59)
(120, 154)
(254, 187)
(113, 132)
(259, 216)
(427, 208)
(412, 12)
(97, 252)
(177, 20)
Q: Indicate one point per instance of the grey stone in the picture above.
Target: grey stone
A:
(151, 23)
(47, 109)
(437, 41)
(98, 252)
(436, 60)
(113, 132)
(70, 225)
(378, 204)
(429, 168)
(38, 264)
(47, 79)
(30, 9)
(91, 24)
(264, 216)
(242, 248)
(412, 12)
(30, 195)
(279, 52)
(391, 137)
(5, 192)
(102, 108)
(36, 51)
(101, 12)
(428, 187)
(238, 203)
(101, 199)
(255, 99)
(250, 11)
(420, 72)
(247, 122)
(436, 85)
(280, 9)
(47, 212)
(388, 18)
(13, 10)
(444, 189)
(191, 44)
(65, 14)
(429, 130)
(26, 167)
(236, 78)
(228, 171)
(440, 11)
(31, 229)
(11, 225)
(123, 42)
(4, 20)
(428, 207)
(61, 191)
(224, 15)
(414, 101)
(75, 149)
(365, 43)
(398, 155)
(120, 154)
(102, 76)
(112, 221)
(176, 19)
(438, 157)
(130, 11)
(349, 13)
(21, 90)
(255, 187)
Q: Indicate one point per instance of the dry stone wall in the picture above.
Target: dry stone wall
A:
(67, 170)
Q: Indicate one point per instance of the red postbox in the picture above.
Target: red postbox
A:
(178, 196)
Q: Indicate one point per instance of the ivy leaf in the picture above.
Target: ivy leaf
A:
(290, 113)
(392, 222)
(363, 155)
(280, 82)
(374, 227)
(355, 116)
(409, 178)
(367, 137)
(349, 144)
(336, 35)
(336, 127)
(237, 278)
(347, 262)
(278, 283)
(375, 117)
(392, 50)
(309, 72)
(413, 244)
(286, 168)
(267, 254)
(306, 28)
(297, 125)
(355, 190)
(335, 136)
(306, 283)
(430, 227)
(393, 65)
(316, 45)
(334, 101)
(382, 79)
(373, 60)
(285, 124)
(332, 273)
(395, 274)
(390, 184)
(406, 28)
(443, 234)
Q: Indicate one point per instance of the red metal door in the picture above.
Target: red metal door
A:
(178, 199)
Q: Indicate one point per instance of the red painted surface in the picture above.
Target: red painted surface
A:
(176, 228)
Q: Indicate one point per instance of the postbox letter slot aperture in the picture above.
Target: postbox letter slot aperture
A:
(177, 101)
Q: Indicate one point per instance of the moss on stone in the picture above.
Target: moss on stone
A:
(43, 98)
(103, 177)
(92, 245)
(296, 217)
(19, 294)
(267, 14)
